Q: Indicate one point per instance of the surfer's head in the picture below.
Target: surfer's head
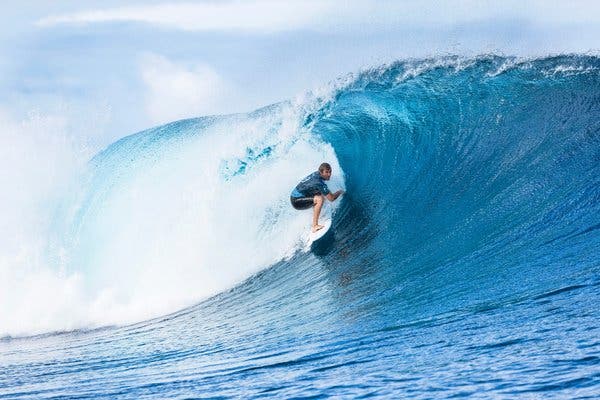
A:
(325, 171)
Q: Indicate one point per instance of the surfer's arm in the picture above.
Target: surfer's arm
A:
(332, 197)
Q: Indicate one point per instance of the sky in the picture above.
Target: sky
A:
(104, 69)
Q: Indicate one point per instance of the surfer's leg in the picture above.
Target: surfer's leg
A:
(318, 199)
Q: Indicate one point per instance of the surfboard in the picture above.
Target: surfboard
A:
(314, 236)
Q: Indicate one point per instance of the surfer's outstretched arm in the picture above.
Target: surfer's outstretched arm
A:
(334, 196)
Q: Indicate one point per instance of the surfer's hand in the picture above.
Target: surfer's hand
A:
(336, 195)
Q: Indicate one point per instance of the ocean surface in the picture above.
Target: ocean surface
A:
(463, 261)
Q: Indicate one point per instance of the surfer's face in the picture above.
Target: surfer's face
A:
(326, 174)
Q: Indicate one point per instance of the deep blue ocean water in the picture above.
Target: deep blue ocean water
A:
(464, 260)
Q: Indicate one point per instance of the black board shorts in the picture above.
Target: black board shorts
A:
(302, 203)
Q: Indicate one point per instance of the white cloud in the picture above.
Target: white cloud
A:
(177, 91)
(258, 15)
(266, 16)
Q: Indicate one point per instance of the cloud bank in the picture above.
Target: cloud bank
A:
(175, 91)
(260, 15)
(270, 16)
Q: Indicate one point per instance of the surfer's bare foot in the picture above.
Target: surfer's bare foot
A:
(317, 227)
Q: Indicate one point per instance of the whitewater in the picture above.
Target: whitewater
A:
(464, 259)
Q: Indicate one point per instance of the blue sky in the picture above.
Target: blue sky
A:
(111, 68)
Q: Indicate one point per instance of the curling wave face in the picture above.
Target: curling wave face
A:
(466, 172)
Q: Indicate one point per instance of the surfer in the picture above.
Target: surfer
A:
(311, 192)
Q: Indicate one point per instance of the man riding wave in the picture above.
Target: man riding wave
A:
(311, 192)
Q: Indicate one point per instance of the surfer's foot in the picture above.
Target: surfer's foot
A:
(317, 227)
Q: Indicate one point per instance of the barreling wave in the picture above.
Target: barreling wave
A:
(463, 258)
(469, 182)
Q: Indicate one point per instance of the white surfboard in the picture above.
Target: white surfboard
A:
(314, 236)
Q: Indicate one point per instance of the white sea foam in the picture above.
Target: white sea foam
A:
(38, 156)
(151, 228)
